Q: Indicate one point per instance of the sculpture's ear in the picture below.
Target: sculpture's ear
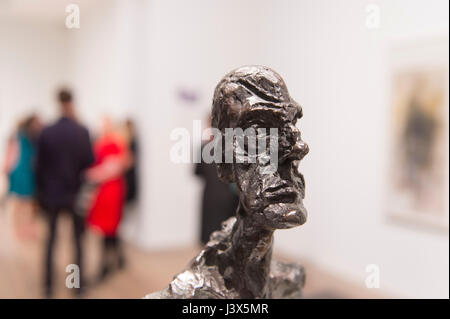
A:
(225, 172)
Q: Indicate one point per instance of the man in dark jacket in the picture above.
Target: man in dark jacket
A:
(64, 152)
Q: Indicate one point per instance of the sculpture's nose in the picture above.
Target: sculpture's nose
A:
(299, 150)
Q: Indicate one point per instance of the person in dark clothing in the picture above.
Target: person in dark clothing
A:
(64, 151)
(131, 173)
(219, 201)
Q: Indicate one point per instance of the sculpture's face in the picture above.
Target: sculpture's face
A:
(275, 199)
(257, 97)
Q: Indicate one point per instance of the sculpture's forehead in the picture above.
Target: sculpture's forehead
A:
(259, 81)
(253, 94)
(259, 73)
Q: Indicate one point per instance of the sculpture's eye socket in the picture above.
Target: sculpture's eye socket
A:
(261, 117)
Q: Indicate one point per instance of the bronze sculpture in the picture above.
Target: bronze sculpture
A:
(237, 261)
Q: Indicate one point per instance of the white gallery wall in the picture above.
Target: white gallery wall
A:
(132, 58)
(106, 60)
(32, 64)
(340, 71)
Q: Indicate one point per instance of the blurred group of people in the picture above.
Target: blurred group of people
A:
(58, 169)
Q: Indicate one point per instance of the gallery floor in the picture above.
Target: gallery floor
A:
(146, 271)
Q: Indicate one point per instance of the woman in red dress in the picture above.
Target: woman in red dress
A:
(112, 159)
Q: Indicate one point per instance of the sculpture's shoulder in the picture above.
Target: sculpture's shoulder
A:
(194, 284)
(286, 280)
(202, 278)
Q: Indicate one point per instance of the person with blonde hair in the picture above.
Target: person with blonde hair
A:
(112, 159)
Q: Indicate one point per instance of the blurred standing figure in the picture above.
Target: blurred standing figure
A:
(111, 160)
(19, 166)
(219, 200)
(131, 173)
(64, 152)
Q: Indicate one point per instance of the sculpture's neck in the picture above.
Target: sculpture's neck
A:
(252, 253)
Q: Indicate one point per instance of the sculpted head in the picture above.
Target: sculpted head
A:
(257, 97)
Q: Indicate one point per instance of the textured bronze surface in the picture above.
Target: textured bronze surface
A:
(237, 261)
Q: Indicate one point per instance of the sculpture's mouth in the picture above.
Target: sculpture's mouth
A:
(284, 197)
(281, 194)
(289, 188)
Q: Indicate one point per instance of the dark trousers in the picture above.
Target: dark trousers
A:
(112, 253)
(78, 228)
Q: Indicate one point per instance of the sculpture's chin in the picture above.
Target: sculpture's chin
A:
(284, 215)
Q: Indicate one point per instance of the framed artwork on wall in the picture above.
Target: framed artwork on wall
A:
(419, 110)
